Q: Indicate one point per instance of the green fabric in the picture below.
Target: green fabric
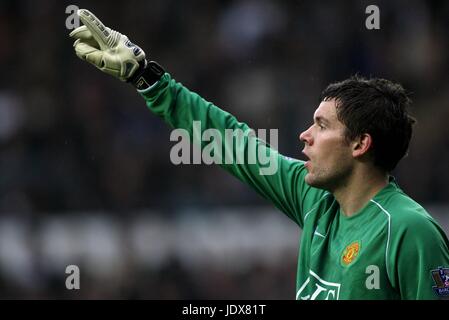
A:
(388, 250)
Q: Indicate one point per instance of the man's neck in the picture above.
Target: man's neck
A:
(358, 190)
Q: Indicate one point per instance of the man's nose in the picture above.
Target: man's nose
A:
(306, 137)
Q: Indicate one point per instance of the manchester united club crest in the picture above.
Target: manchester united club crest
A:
(441, 278)
(350, 253)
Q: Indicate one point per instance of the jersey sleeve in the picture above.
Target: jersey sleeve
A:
(420, 258)
(277, 178)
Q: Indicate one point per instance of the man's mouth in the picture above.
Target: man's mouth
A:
(307, 163)
(306, 155)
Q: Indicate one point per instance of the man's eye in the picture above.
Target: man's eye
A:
(321, 126)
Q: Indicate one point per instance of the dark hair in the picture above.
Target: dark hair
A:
(377, 107)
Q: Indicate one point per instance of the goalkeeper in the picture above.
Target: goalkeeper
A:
(363, 237)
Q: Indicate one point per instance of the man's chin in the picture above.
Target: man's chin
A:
(313, 182)
(309, 179)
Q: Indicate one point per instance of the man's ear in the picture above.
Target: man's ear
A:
(361, 145)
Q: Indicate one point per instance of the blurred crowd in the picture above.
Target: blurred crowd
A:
(73, 139)
(233, 253)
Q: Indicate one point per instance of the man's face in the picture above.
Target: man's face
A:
(330, 156)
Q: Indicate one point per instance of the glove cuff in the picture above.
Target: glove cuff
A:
(147, 75)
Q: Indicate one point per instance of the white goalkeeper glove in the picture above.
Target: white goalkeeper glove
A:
(112, 52)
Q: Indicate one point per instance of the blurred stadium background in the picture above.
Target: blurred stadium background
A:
(85, 174)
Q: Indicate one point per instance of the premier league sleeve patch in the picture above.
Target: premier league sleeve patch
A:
(441, 278)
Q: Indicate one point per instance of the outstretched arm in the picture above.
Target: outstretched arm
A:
(232, 144)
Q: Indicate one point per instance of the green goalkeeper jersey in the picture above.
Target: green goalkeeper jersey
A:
(390, 249)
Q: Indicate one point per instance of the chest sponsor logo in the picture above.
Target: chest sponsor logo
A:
(350, 253)
(441, 278)
(315, 288)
